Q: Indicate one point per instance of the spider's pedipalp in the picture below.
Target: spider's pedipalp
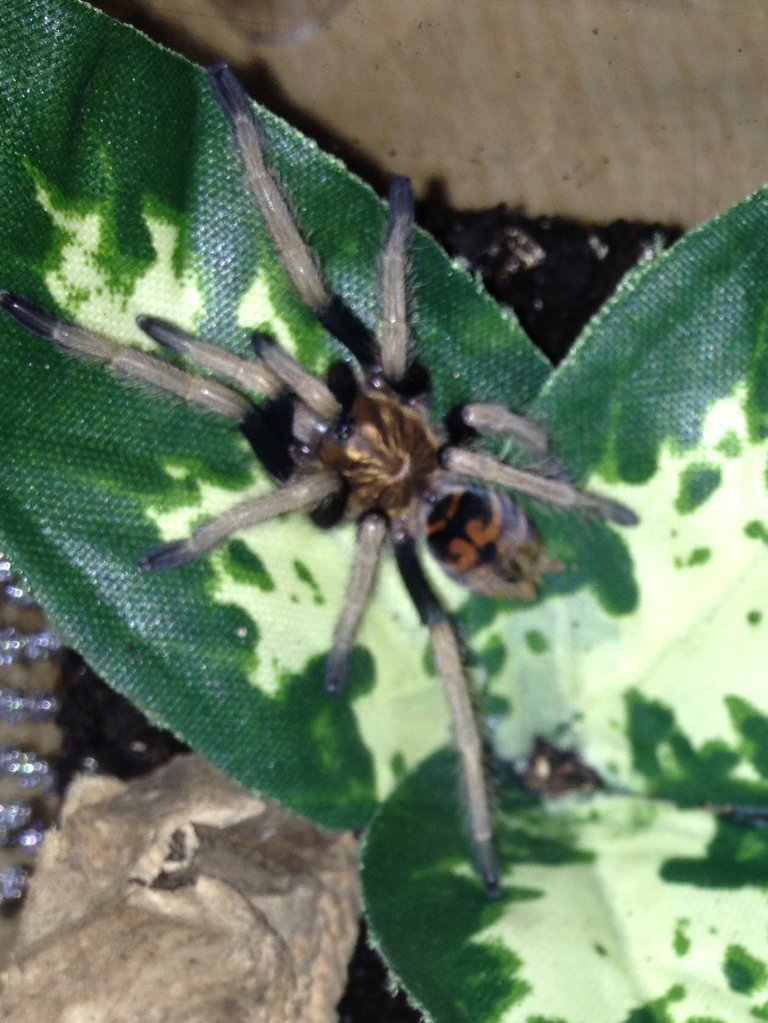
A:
(395, 335)
(466, 733)
(305, 425)
(499, 421)
(310, 389)
(300, 495)
(484, 468)
(270, 430)
(246, 373)
(129, 362)
(370, 537)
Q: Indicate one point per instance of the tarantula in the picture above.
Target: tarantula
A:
(358, 447)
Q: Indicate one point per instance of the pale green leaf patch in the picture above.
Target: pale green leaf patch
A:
(403, 713)
(619, 901)
(600, 879)
(79, 280)
(257, 309)
(700, 572)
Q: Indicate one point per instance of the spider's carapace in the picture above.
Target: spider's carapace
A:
(385, 451)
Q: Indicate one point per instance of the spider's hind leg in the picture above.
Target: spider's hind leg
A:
(296, 256)
(493, 419)
(497, 420)
(484, 468)
(370, 538)
(469, 744)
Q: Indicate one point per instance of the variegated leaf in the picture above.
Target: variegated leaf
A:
(648, 656)
(615, 909)
(121, 195)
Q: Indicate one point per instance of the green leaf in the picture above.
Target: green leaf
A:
(669, 376)
(121, 195)
(616, 910)
(623, 909)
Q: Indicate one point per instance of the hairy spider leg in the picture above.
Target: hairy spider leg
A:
(466, 732)
(315, 394)
(499, 421)
(138, 366)
(371, 534)
(470, 747)
(484, 468)
(246, 373)
(297, 257)
(395, 334)
(300, 495)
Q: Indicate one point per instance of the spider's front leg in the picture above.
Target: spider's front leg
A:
(132, 363)
(395, 335)
(302, 494)
(445, 645)
(243, 373)
(297, 257)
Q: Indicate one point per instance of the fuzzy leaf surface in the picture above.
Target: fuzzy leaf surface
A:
(647, 655)
(121, 195)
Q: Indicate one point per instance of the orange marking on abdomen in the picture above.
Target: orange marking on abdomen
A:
(437, 525)
(464, 556)
(481, 533)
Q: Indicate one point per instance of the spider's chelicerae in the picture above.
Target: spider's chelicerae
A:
(359, 447)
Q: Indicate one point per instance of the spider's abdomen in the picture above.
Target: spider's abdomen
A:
(484, 541)
(387, 455)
